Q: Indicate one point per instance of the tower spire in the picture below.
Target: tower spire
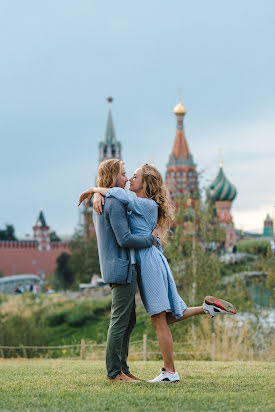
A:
(110, 135)
(41, 232)
(109, 148)
(180, 149)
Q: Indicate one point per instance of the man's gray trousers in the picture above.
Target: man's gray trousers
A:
(123, 319)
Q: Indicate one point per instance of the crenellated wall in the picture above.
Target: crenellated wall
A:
(24, 257)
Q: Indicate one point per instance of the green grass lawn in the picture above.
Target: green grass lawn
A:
(75, 385)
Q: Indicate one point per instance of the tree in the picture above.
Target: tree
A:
(54, 237)
(80, 265)
(8, 233)
(64, 276)
(192, 250)
(84, 258)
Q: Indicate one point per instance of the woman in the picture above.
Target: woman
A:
(150, 208)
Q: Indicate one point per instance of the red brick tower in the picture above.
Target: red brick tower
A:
(181, 175)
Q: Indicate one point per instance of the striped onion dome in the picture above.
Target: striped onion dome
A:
(221, 188)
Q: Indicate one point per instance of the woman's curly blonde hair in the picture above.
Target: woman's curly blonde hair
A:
(108, 172)
(155, 188)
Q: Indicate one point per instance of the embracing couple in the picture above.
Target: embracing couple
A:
(127, 227)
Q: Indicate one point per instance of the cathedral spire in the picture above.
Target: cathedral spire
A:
(180, 149)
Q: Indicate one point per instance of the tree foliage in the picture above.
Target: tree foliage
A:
(80, 265)
(54, 237)
(192, 250)
(64, 276)
(254, 246)
(8, 233)
(84, 258)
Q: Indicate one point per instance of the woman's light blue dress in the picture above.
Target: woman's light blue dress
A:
(156, 283)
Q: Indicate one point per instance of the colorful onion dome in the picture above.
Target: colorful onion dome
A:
(221, 188)
(179, 109)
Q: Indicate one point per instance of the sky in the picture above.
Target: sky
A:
(60, 60)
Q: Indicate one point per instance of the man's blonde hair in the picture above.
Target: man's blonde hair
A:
(108, 172)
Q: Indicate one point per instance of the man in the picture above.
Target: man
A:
(118, 267)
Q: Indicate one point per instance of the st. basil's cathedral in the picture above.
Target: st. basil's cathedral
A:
(181, 174)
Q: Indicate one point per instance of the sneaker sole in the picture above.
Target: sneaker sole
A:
(164, 381)
(222, 304)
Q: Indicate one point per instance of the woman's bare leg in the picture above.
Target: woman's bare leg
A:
(197, 310)
(165, 339)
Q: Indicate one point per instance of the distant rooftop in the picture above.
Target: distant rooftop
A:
(17, 278)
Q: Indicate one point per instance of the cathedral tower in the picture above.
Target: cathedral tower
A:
(181, 174)
(222, 192)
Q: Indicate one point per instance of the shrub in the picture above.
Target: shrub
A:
(57, 318)
(80, 313)
(86, 311)
(254, 246)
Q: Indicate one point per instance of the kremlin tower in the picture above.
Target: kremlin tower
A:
(222, 192)
(181, 174)
(41, 232)
(110, 148)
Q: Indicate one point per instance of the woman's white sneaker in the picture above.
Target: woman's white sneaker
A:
(213, 306)
(166, 377)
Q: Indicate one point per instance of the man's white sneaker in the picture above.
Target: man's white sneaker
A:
(166, 377)
(213, 306)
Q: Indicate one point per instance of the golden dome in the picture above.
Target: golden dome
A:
(179, 109)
